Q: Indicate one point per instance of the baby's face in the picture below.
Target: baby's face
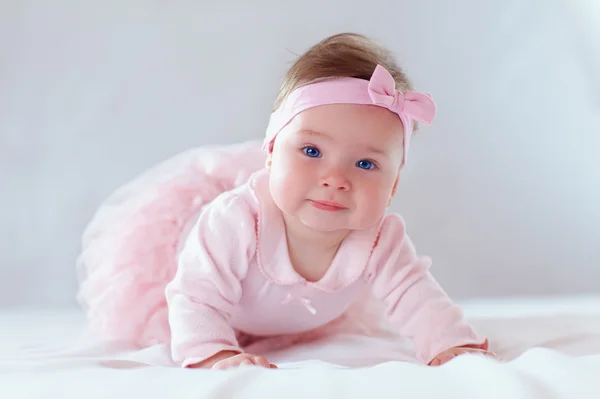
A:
(334, 167)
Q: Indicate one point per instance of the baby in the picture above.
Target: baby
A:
(288, 249)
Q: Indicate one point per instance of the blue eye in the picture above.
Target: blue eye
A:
(312, 152)
(365, 164)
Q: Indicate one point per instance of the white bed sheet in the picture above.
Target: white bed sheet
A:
(547, 348)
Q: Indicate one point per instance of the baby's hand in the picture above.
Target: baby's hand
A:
(243, 359)
(451, 353)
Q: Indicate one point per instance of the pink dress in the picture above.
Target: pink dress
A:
(216, 276)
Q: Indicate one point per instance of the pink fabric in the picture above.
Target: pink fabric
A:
(235, 274)
(380, 90)
(129, 249)
(203, 224)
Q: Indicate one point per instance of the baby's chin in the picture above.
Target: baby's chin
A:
(326, 225)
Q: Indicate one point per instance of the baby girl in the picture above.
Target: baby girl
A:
(288, 247)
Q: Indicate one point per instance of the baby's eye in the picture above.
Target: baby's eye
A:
(312, 152)
(365, 164)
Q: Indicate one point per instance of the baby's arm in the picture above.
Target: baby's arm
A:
(416, 304)
(207, 285)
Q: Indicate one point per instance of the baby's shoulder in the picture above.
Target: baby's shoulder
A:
(240, 206)
(392, 224)
(241, 199)
(390, 236)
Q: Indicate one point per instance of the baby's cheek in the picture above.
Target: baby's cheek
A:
(276, 186)
(286, 191)
(371, 208)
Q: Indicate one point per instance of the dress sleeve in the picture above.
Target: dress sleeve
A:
(415, 302)
(212, 263)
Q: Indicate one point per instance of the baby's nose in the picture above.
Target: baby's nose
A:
(336, 180)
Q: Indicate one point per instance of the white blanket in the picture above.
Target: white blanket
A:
(546, 349)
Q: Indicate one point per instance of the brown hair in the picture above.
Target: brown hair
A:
(342, 55)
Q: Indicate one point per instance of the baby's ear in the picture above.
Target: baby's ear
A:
(269, 154)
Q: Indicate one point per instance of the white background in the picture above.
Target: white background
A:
(503, 191)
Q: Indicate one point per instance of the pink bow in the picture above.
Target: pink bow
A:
(414, 105)
(303, 300)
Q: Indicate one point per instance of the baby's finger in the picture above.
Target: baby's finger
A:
(473, 350)
(272, 366)
(435, 362)
(260, 361)
(446, 358)
(481, 352)
(222, 365)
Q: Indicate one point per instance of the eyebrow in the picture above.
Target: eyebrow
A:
(313, 133)
(369, 148)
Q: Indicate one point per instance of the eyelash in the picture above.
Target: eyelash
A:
(308, 146)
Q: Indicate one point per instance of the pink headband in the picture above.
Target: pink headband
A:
(380, 91)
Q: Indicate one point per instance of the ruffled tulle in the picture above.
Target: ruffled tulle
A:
(129, 249)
